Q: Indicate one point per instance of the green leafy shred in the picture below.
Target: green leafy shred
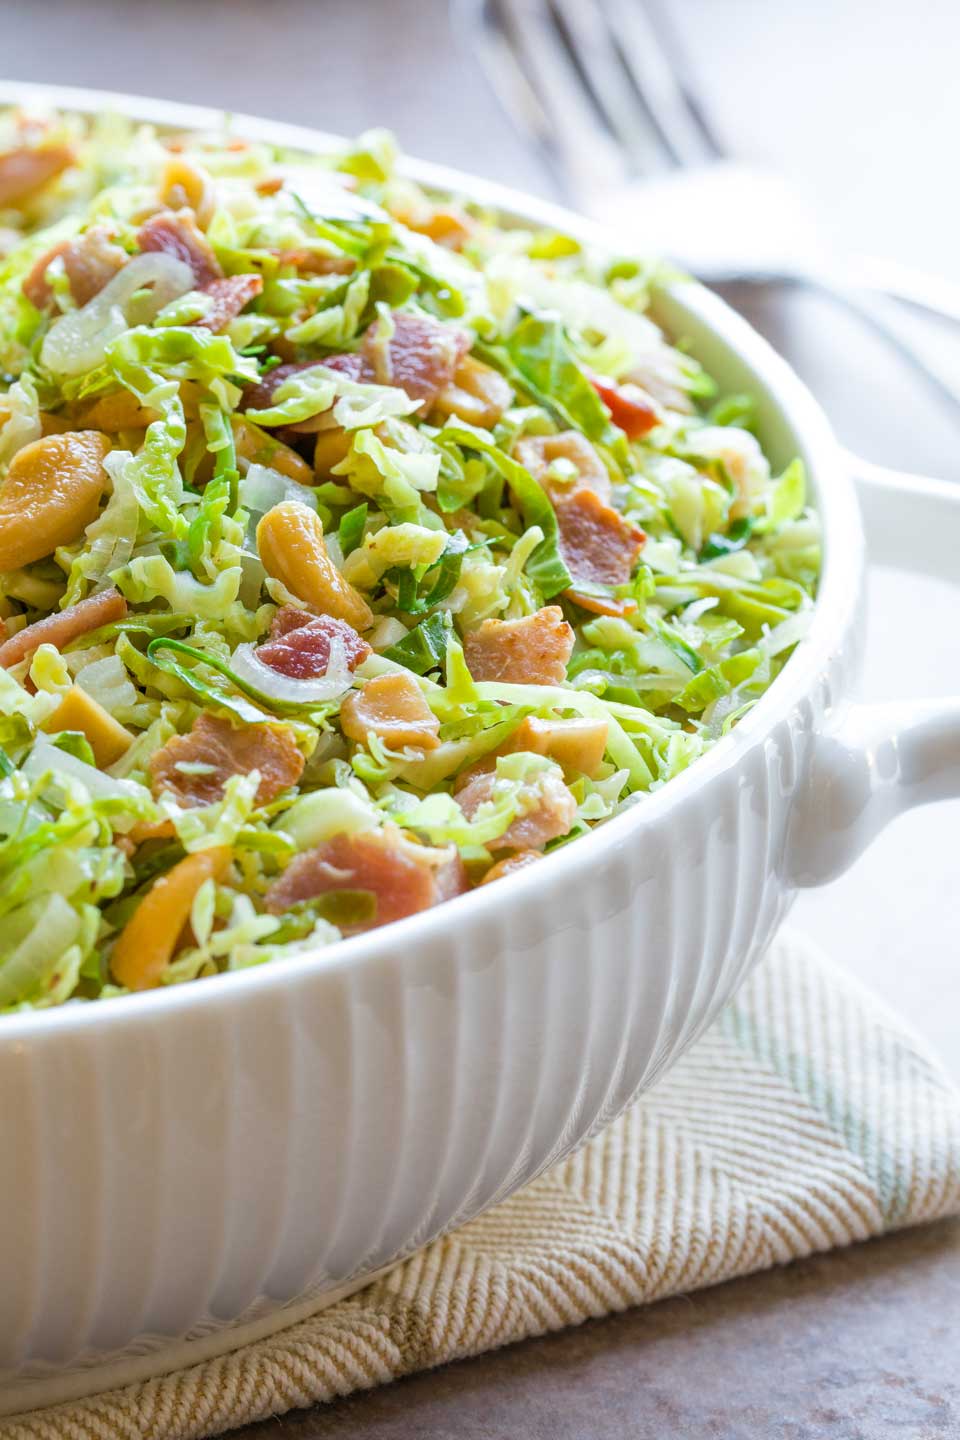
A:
(333, 634)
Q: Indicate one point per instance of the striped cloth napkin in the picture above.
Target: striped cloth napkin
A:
(807, 1118)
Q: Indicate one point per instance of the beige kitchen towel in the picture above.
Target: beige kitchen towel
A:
(807, 1118)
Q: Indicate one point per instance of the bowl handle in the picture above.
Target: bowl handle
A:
(873, 761)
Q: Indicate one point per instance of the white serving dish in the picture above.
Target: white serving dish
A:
(186, 1169)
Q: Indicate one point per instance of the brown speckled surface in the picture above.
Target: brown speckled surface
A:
(857, 1345)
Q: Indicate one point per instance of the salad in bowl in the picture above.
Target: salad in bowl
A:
(357, 548)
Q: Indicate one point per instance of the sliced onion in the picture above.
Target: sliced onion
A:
(694, 611)
(77, 342)
(46, 757)
(274, 686)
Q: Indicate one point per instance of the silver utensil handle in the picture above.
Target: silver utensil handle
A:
(871, 300)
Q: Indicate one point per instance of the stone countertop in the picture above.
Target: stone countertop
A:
(859, 1344)
(856, 1345)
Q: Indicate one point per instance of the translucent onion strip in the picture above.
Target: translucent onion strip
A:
(77, 342)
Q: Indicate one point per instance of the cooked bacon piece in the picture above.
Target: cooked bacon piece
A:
(421, 356)
(509, 864)
(25, 170)
(549, 810)
(260, 396)
(67, 625)
(599, 547)
(89, 260)
(403, 877)
(352, 364)
(288, 618)
(632, 410)
(299, 644)
(174, 233)
(355, 368)
(214, 742)
(538, 452)
(393, 707)
(229, 296)
(530, 651)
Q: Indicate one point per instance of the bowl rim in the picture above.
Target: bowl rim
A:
(837, 594)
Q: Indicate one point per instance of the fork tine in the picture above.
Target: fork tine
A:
(587, 150)
(484, 31)
(584, 30)
(653, 72)
(677, 59)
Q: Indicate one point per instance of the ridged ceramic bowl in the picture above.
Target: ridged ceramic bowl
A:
(184, 1169)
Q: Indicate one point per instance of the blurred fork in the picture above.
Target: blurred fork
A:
(602, 90)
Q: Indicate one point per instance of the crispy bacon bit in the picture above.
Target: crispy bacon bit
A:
(58, 630)
(393, 707)
(530, 651)
(174, 233)
(288, 618)
(421, 356)
(599, 547)
(354, 366)
(509, 864)
(299, 645)
(25, 170)
(550, 811)
(89, 260)
(260, 395)
(537, 453)
(228, 297)
(403, 877)
(630, 408)
(214, 742)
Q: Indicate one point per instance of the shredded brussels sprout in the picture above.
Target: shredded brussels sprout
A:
(355, 549)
